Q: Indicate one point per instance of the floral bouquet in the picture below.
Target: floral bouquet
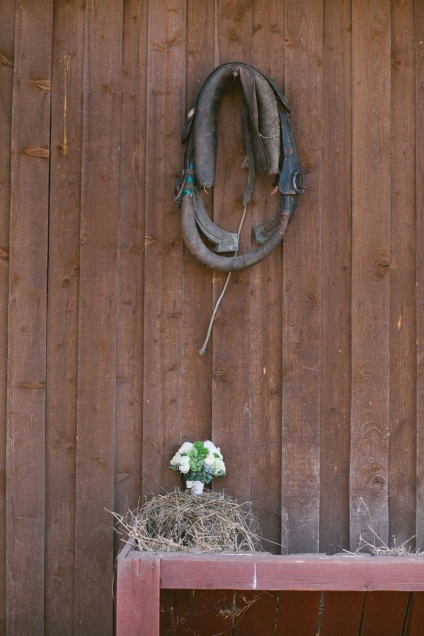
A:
(200, 462)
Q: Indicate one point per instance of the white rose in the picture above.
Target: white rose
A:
(176, 459)
(212, 448)
(186, 447)
(184, 465)
(209, 460)
(219, 466)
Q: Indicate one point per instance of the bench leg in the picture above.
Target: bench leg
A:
(138, 597)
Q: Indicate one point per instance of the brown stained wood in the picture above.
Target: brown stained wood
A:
(265, 309)
(342, 613)
(257, 613)
(231, 388)
(62, 318)
(7, 31)
(175, 612)
(384, 613)
(415, 619)
(402, 447)
(419, 189)
(164, 299)
(129, 381)
(211, 612)
(370, 271)
(138, 596)
(95, 451)
(301, 352)
(298, 613)
(197, 370)
(336, 279)
(302, 572)
(29, 208)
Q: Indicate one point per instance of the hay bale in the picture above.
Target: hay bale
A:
(181, 522)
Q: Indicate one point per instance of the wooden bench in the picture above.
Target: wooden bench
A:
(394, 584)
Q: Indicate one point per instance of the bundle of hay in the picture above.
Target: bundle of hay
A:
(181, 522)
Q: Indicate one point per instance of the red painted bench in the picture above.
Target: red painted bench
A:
(391, 589)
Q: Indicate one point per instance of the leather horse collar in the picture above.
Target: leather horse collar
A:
(270, 150)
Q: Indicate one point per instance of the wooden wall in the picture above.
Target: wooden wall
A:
(313, 382)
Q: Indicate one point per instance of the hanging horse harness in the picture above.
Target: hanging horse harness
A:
(270, 149)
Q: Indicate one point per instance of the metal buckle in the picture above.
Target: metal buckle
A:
(299, 186)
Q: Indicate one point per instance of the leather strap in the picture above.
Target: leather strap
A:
(200, 138)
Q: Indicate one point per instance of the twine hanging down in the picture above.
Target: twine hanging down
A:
(202, 349)
(270, 151)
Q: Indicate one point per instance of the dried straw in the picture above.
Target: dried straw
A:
(182, 522)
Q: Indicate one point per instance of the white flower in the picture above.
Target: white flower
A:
(209, 460)
(184, 465)
(212, 448)
(219, 466)
(186, 447)
(176, 459)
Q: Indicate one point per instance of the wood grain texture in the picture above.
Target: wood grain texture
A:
(231, 388)
(402, 447)
(256, 613)
(210, 612)
(95, 451)
(370, 271)
(265, 308)
(130, 272)
(198, 289)
(298, 613)
(25, 526)
(336, 278)
(384, 613)
(415, 620)
(138, 596)
(342, 613)
(305, 572)
(7, 32)
(301, 352)
(313, 380)
(164, 298)
(62, 317)
(419, 189)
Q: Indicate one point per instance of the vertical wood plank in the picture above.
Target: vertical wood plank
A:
(384, 613)
(138, 597)
(231, 389)
(130, 310)
(402, 447)
(97, 318)
(419, 190)
(257, 613)
(174, 612)
(197, 370)
(62, 318)
(297, 614)
(415, 621)
(164, 299)
(336, 279)
(265, 309)
(301, 353)
(370, 268)
(7, 32)
(342, 613)
(210, 612)
(27, 319)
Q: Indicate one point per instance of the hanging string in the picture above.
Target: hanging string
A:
(202, 350)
